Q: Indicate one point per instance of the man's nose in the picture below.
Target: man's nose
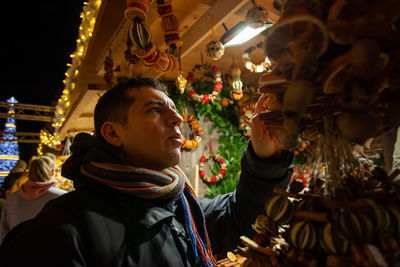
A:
(175, 119)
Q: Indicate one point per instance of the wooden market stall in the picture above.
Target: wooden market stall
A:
(332, 83)
(104, 35)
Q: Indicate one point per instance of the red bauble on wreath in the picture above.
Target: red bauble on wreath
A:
(218, 159)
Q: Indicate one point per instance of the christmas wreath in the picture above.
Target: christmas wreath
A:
(206, 98)
(257, 68)
(192, 143)
(218, 159)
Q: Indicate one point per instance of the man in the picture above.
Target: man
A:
(132, 206)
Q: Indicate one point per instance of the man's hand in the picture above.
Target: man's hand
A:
(265, 142)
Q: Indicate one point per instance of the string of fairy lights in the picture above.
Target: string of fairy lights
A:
(88, 16)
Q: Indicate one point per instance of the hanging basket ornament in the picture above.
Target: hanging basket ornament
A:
(194, 125)
(215, 50)
(219, 160)
(256, 17)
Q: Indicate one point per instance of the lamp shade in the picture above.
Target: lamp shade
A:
(241, 33)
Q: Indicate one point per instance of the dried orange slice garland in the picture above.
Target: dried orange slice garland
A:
(194, 125)
(219, 160)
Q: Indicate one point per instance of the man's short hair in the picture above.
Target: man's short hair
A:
(114, 104)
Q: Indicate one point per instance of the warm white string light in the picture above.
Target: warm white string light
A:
(88, 16)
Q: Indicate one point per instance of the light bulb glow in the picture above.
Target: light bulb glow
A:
(245, 35)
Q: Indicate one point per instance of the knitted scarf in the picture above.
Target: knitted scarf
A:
(165, 184)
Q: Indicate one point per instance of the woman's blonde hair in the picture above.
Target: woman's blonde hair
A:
(41, 169)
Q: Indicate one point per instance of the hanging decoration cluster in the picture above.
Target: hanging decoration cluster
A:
(170, 26)
(140, 35)
(205, 98)
(219, 160)
(257, 68)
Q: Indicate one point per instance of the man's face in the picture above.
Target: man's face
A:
(151, 138)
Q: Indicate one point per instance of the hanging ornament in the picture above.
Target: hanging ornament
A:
(108, 70)
(256, 17)
(266, 65)
(219, 160)
(140, 34)
(181, 83)
(215, 50)
(206, 98)
(180, 80)
(237, 84)
(194, 125)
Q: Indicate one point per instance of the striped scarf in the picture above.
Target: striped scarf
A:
(165, 184)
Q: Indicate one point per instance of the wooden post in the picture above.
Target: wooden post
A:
(196, 180)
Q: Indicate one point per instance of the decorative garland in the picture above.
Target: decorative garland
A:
(248, 64)
(206, 98)
(218, 159)
(192, 120)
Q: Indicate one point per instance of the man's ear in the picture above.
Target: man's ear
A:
(109, 131)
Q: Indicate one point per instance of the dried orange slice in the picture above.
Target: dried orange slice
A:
(271, 83)
(340, 14)
(231, 256)
(294, 32)
(335, 76)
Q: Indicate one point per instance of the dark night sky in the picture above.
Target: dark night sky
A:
(37, 39)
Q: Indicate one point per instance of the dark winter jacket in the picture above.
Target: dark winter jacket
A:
(96, 225)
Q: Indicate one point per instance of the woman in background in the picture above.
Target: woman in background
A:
(26, 203)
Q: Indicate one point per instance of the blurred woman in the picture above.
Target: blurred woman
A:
(26, 203)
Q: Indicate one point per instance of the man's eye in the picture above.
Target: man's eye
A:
(156, 109)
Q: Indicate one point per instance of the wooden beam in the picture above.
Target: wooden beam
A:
(221, 10)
